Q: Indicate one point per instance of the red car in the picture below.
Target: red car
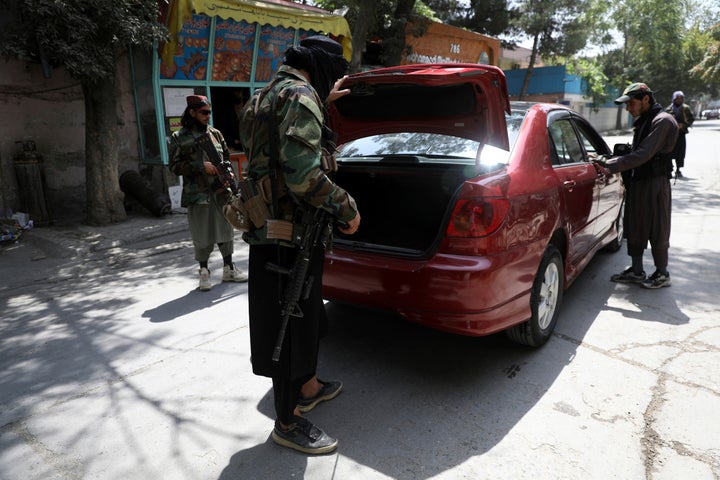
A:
(476, 213)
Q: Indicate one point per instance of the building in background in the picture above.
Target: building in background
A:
(518, 57)
(442, 43)
(556, 85)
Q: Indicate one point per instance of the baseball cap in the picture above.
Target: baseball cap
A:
(633, 90)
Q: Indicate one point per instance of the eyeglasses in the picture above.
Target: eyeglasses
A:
(205, 112)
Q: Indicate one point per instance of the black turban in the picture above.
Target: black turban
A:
(322, 57)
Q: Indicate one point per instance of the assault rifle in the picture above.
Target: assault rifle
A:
(226, 176)
(312, 231)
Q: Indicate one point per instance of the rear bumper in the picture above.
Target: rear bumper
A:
(464, 295)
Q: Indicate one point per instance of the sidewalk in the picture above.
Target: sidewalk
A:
(41, 251)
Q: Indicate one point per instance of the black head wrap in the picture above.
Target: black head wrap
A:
(322, 57)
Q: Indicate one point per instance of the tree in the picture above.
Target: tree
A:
(658, 46)
(556, 27)
(87, 37)
(489, 17)
(384, 20)
(708, 69)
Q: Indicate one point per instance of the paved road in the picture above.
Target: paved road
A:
(113, 367)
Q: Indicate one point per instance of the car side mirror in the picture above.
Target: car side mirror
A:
(621, 149)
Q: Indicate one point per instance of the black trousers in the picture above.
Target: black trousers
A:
(648, 205)
(679, 151)
(298, 360)
(285, 395)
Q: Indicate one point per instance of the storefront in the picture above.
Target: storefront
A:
(223, 49)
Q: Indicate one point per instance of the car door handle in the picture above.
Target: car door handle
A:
(569, 184)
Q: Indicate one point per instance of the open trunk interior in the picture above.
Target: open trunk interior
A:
(403, 206)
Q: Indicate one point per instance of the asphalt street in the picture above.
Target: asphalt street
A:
(113, 366)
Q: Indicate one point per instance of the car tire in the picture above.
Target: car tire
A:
(615, 245)
(545, 299)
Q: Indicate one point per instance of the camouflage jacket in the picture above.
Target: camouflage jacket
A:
(188, 159)
(299, 119)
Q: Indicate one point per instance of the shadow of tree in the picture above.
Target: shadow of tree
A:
(418, 403)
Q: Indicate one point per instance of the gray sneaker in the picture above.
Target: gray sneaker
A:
(304, 437)
(628, 276)
(657, 280)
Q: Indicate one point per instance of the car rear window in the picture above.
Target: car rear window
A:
(413, 147)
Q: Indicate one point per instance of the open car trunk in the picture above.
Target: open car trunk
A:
(405, 207)
(410, 136)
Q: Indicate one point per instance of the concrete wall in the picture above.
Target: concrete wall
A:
(51, 112)
(605, 119)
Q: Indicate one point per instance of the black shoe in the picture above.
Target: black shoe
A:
(303, 436)
(678, 173)
(328, 391)
(657, 280)
(628, 276)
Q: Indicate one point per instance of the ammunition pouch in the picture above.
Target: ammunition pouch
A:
(248, 208)
(258, 211)
(254, 202)
(236, 214)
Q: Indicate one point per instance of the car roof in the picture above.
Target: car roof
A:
(464, 100)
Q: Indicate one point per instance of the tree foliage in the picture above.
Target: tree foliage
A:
(383, 22)
(489, 17)
(669, 48)
(84, 36)
(556, 28)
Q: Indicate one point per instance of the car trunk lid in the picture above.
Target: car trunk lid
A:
(462, 100)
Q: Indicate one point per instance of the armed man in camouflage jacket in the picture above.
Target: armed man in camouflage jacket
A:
(198, 152)
(288, 118)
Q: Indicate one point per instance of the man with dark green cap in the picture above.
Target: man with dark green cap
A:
(646, 170)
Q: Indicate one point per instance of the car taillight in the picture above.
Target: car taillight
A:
(477, 217)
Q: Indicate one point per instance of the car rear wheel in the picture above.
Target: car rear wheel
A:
(545, 299)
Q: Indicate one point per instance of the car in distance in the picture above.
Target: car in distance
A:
(476, 213)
